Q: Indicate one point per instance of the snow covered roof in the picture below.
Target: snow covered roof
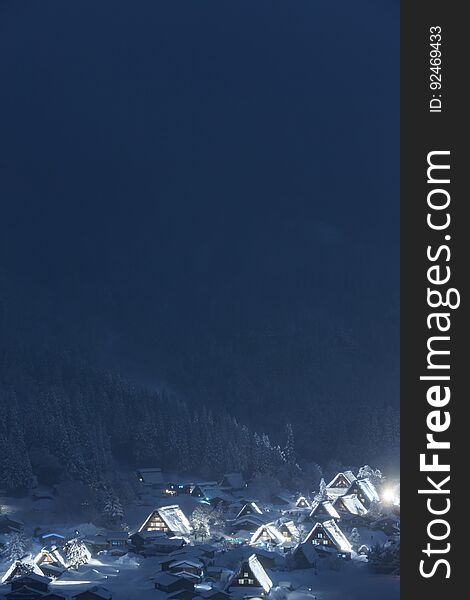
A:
(367, 488)
(250, 507)
(347, 475)
(175, 519)
(54, 553)
(271, 531)
(352, 504)
(302, 500)
(324, 506)
(25, 567)
(335, 534)
(259, 572)
(233, 480)
(290, 527)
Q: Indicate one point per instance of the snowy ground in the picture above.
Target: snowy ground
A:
(129, 577)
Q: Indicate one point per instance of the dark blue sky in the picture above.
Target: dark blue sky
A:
(191, 190)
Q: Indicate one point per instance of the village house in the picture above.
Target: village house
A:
(48, 538)
(250, 508)
(169, 520)
(340, 484)
(289, 531)
(248, 523)
(323, 510)
(305, 556)
(302, 502)
(328, 535)
(51, 561)
(187, 565)
(198, 490)
(32, 585)
(365, 490)
(267, 535)
(21, 569)
(250, 579)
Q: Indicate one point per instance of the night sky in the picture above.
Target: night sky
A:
(206, 194)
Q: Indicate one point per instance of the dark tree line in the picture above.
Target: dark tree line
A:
(64, 420)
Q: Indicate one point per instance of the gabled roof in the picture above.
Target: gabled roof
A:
(252, 507)
(173, 517)
(367, 488)
(334, 533)
(348, 476)
(250, 520)
(271, 531)
(258, 571)
(55, 554)
(352, 504)
(325, 506)
(291, 528)
(302, 499)
(27, 566)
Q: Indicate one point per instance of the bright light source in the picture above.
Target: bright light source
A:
(388, 495)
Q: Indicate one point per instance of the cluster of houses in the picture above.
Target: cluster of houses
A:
(295, 531)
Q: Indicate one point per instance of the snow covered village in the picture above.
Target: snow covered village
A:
(199, 300)
(210, 540)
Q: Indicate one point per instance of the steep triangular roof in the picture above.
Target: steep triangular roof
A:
(324, 506)
(347, 476)
(290, 527)
(271, 531)
(173, 517)
(259, 574)
(302, 502)
(250, 508)
(351, 504)
(19, 568)
(334, 533)
(366, 487)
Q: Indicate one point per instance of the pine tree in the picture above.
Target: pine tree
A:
(15, 547)
(322, 494)
(289, 450)
(77, 553)
(355, 538)
(112, 510)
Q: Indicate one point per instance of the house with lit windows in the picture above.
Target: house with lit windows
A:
(169, 520)
(250, 579)
(328, 536)
(365, 491)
